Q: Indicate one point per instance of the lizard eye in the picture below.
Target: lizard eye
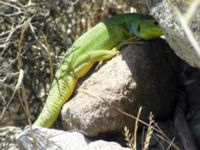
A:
(156, 23)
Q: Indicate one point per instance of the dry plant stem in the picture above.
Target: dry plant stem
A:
(6, 43)
(136, 129)
(167, 141)
(128, 137)
(159, 142)
(49, 57)
(3, 99)
(8, 4)
(163, 134)
(181, 125)
(132, 139)
(53, 6)
(20, 44)
(24, 96)
(164, 137)
(28, 115)
(171, 144)
(149, 133)
(11, 31)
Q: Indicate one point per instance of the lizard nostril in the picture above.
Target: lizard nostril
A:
(156, 23)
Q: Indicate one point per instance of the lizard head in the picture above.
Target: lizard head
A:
(145, 28)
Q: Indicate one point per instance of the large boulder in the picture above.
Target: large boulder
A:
(142, 75)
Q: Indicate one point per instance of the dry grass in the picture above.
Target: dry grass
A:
(131, 139)
(149, 133)
(152, 131)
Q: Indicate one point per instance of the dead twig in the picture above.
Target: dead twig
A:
(25, 27)
(49, 57)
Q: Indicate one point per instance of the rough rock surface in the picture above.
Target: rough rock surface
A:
(53, 139)
(141, 76)
(193, 114)
(174, 33)
(7, 138)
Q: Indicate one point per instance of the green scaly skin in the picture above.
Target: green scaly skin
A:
(99, 43)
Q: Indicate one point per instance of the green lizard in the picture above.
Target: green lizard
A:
(100, 43)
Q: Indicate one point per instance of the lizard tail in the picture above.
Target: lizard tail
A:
(59, 93)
